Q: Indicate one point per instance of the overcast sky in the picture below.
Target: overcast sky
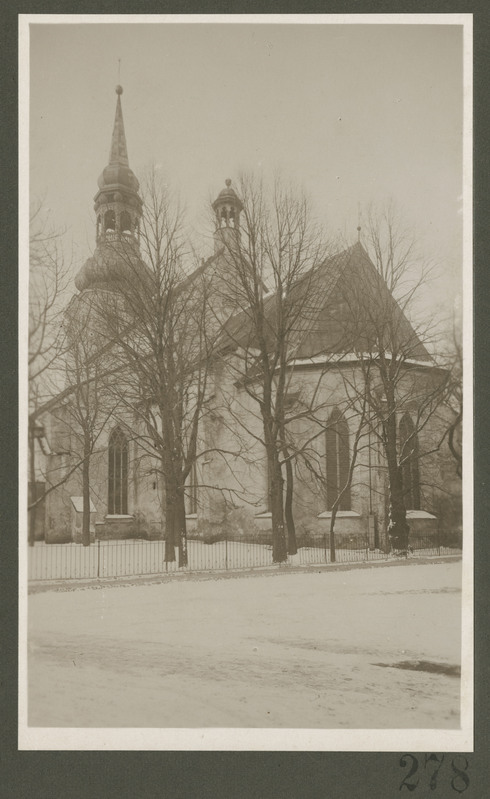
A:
(355, 113)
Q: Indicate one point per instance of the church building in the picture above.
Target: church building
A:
(338, 460)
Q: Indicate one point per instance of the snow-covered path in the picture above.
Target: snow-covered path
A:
(293, 650)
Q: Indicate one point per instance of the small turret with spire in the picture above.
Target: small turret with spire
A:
(227, 208)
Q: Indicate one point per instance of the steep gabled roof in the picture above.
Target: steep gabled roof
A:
(327, 316)
(370, 314)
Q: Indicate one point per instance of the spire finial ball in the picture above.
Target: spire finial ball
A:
(228, 182)
(119, 89)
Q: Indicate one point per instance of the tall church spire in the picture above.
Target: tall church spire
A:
(119, 150)
(118, 204)
(118, 209)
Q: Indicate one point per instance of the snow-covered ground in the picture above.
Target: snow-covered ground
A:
(266, 650)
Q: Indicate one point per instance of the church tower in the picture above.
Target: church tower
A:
(117, 203)
(227, 208)
(118, 208)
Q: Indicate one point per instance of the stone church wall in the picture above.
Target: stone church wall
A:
(232, 500)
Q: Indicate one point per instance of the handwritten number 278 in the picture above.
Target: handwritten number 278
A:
(459, 782)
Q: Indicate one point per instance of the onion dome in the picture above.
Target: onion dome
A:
(114, 265)
(228, 196)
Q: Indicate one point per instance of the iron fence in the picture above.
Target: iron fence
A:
(131, 557)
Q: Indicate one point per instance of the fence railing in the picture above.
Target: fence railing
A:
(131, 557)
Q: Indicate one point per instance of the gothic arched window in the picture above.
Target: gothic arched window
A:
(118, 473)
(337, 460)
(409, 462)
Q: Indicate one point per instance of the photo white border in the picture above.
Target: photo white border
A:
(252, 739)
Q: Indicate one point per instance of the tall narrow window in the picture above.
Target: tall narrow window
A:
(118, 472)
(337, 457)
(409, 461)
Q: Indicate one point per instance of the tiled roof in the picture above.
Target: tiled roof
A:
(325, 318)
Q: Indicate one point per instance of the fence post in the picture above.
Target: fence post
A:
(226, 552)
(325, 545)
(98, 558)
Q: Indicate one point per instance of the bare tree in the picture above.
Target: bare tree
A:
(85, 405)
(401, 382)
(276, 244)
(454, 399)
(156, 319)
(48, 278)
(341, 447)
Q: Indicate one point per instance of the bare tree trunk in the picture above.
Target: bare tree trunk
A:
(86, 490)
(170, 524)
(181, 527)
(32, 498)
(279, 550)
(288, 505)
(288, 501)
(398, 528)
(332, 534)
(455, 452)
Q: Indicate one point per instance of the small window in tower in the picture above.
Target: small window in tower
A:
(98, 226)
(224, 217)
(109, 221)
(125, 222)
(231, 217)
